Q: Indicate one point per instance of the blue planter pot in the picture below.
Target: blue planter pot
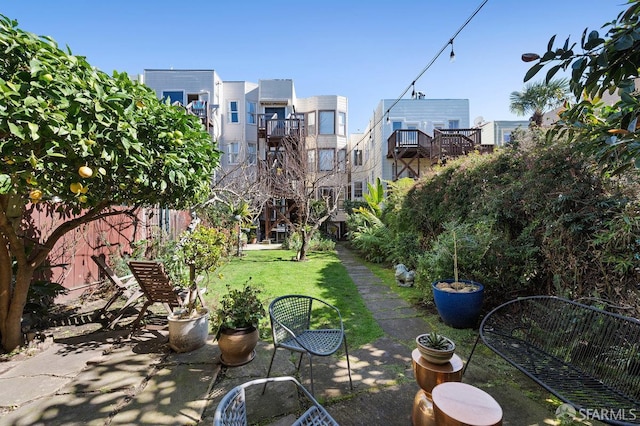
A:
(458, 309)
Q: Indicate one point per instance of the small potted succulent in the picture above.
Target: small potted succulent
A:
(435, 348)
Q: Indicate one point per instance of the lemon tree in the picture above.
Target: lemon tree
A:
(87, 140)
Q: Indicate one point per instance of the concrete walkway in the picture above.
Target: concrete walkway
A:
(105, 378)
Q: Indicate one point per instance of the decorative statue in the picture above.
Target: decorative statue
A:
(404, 277)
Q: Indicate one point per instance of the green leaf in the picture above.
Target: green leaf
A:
(532, 71)
(552, 72)
(16, 131)
(623, 43)
(33, 128)
(5, 184)
(551, 41)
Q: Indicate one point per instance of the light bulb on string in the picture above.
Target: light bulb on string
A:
(452, 55)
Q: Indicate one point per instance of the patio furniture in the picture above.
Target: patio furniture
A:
(157, 287)
(587, 357)
(125, 286)
(460, 404)
(292, 327)
(232, 409)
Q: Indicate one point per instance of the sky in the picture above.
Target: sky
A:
(364, 50)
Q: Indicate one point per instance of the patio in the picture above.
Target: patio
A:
(103, 378)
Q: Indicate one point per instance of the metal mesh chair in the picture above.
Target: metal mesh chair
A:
(232, 409)
(291, 319)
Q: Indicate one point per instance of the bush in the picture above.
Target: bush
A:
(317, 243)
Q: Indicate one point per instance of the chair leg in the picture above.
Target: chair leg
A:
(346, 351)
(299, 362)
(273, 355)
(136, 323)
(311, 374)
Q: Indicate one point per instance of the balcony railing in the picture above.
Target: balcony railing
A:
(407, 139)
(444, 143)
(280, 127)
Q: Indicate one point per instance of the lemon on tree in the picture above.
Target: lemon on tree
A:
(85, 172)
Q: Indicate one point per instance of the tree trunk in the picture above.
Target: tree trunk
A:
(11, 325)
(304, 245)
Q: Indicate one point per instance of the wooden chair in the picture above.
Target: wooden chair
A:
(291, 327)
(125, 286)
(156, 286)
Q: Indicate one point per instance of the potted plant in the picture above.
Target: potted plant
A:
(458, 301)
(435, 348)
(236, 319)
(202, 250)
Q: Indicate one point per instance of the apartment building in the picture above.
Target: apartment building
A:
(498, 133)
(269, 134)
(406, 137)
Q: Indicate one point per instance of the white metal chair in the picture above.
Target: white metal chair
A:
(291, 319)
(232, 409)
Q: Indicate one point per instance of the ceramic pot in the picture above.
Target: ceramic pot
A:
(435, 356)
(237, 345)
(188, 334)
(459, 309)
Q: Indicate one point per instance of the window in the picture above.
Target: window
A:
(311, 160)
(174, 96)
(252, 153)
(342, 123)
(311, 123)
(325, 160)
(327, 122)
(233, 112)
(233, 150)
(396, 125)
(506, 137)
(251, 112)
(454, 124)
(342, 160)
(357, 157)
(357, 189)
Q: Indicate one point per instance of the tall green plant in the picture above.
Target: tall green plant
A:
(202, 250)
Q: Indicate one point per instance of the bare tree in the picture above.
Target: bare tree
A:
(312, 196)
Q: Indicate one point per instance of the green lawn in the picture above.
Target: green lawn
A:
(322, 276)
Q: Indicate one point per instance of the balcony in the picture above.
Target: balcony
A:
(276, 129)
(444, 143)
(413, 150)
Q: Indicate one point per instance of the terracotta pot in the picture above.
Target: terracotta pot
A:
(237, 345)
(188, 334)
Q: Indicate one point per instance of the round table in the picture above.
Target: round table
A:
(429, 375)
(461, 404)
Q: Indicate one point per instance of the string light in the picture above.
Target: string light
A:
(412, 85)
(452, 55)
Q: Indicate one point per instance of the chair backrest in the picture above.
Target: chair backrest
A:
(292, 312)
(108, 272)
(232, 409)
(596, 343)
(154, 282)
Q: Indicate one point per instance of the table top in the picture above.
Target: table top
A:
(466, 404)
(453, 366)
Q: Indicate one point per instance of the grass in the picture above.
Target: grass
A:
(276, 274)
